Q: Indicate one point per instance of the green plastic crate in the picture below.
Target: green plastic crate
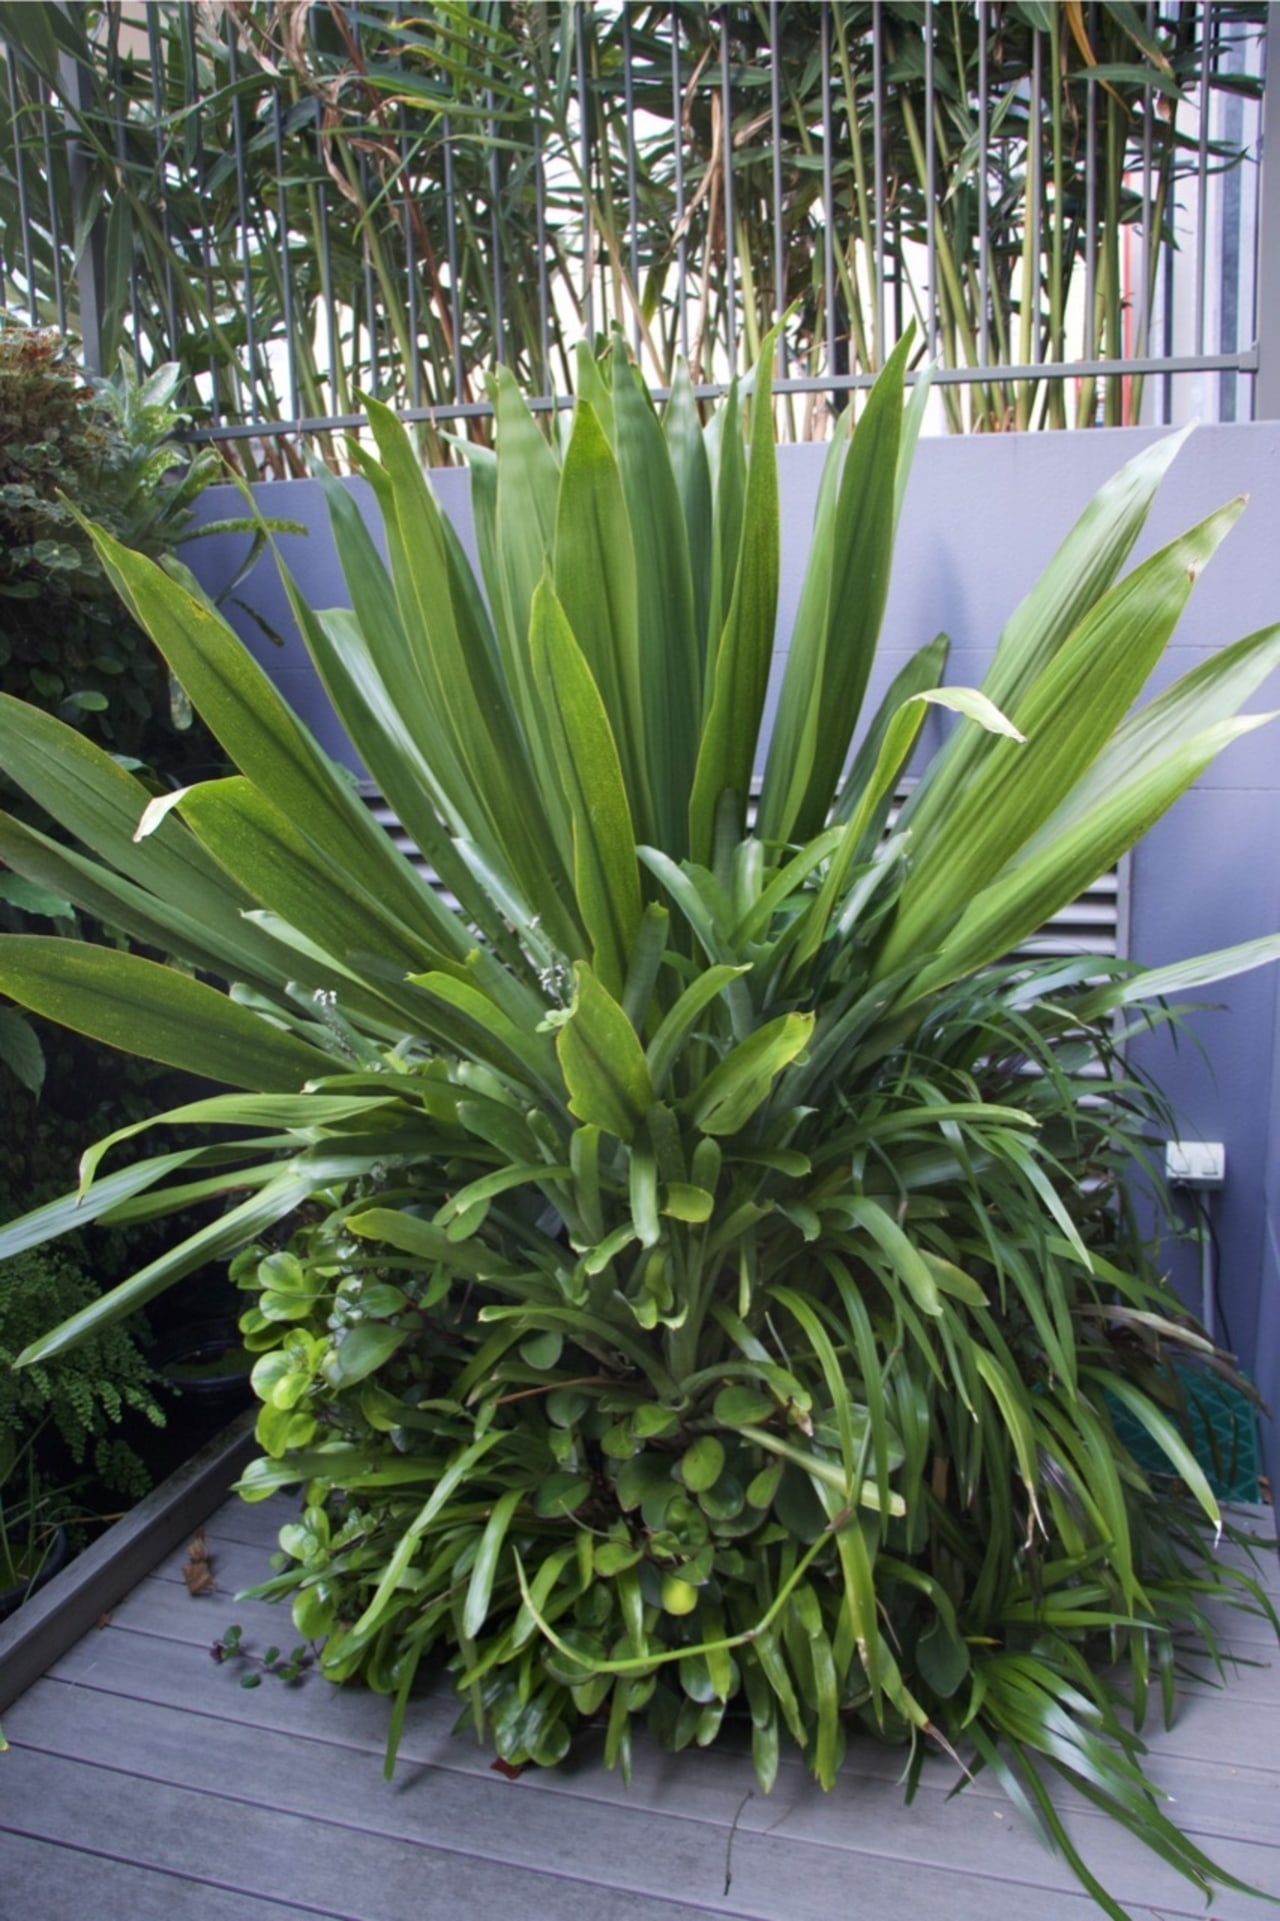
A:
(1224, 1436)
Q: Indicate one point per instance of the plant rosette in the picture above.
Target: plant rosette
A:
(688, 1268)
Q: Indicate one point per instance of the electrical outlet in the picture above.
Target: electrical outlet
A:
(1195, 1163)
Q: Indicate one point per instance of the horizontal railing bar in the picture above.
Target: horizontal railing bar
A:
(1245, 362)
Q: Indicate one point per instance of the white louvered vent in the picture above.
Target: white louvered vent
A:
(1095, 923)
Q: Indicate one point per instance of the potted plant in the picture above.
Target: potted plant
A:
(670, 1286)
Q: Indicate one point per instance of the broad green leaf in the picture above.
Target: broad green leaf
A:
(669, 645)
(1079, 574)
(602, 1061)
(1021, 900)
(691, 472)
(830, 659)
(263, 737)
(20, 1050)
(596, 586)
(606, 878)
(740, 677)
(480, 1587)
(740, 1083)
(144, 1008)
(239, 1225)
(1067, 716)
(1155, 983)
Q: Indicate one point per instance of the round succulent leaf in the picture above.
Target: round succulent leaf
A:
(542, 1351)
(686, 1521)
(644, 1474)
(315, 1612)
(568, 1671)
(725, 1500)
(614, 1557)
(697, 1569)
(695, 1678)
(702, 1463)
(651, 1420)
(561, 1493)
(592, 1694)
(742, 1407)
(942, 1657)
(618, 1441)
(567, 1405)
(798, 1505)
(761, 1490)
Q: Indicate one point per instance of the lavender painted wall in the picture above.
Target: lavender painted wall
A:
(982, 518)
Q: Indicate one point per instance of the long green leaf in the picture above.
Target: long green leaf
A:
(606, 878)
(143, 1008)
(740, 678)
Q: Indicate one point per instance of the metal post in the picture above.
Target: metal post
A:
(1266, 388)
(76, 84)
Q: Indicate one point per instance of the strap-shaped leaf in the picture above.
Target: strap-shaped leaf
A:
(831, 655)
(1067, 716)
(143, 1008)
(595, 583)
(606, 878)
(1021, 900)
(671, 683)
(740, 1084)
(1081, 571)
(602, 1060)
(262, 736)
(740, 678)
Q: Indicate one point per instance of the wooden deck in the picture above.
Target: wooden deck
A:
(142, 1781)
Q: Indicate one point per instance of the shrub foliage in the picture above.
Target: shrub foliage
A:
(689, 1264)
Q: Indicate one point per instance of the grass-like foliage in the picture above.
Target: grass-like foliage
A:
(691, 1273)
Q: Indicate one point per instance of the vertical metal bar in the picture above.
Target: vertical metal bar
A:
(828, 195)
(1202, 177)
(588, 234)
(930, 164)
(206, 250)
(55, 227)
(115, 83)
(1031, 294)
(984, 213)
(410, 246)
(242, 204)
(633, 212)
(730, 248)
(1148, 203)
(877, 130)
(451, 235)
(326, 281)
(20, 173)
(544, 286)
(1266, 387)
(1091, 218)
(677, 133)
(495, 235)
(286, 264)
(157, 107)
(779, 227)
(1231, 200)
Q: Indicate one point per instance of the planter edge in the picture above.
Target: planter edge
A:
(54, 1619)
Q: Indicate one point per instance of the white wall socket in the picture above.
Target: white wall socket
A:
(1195, 1163)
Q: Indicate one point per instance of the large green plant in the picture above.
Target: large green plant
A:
(670, 1285)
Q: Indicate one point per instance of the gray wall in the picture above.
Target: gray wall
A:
(982, 518)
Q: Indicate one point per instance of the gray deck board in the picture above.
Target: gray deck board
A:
(138, 1755)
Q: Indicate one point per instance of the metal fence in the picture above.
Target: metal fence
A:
(304, 204)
